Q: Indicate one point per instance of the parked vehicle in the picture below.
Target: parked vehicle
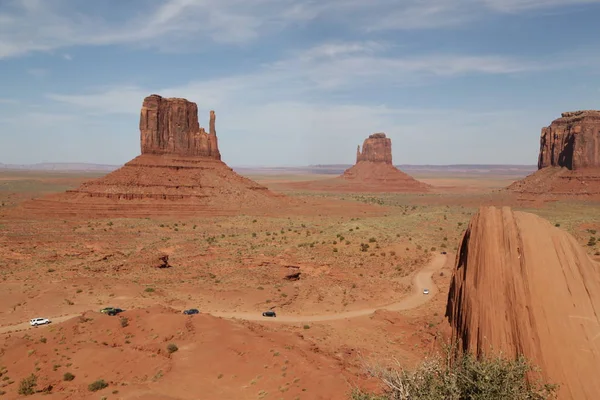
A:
(269, 314)
(111, 311)
(39, 321)
(425, 291)
(191, 311)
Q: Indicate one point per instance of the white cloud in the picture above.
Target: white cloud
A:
(303, 74)
(68, 57)
(32, 25)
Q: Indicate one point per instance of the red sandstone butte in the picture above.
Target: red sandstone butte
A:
(373, 172)
(376, 148)
(569, 159)
(170, 126)
(179, 172)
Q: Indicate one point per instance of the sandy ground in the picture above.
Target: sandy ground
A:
(346, 286)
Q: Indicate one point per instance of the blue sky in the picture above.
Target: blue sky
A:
(297, 82)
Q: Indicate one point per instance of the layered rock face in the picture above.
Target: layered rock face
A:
(179, 172)
(522, 286)
(376, 148)
(170, 126)
(572, 141)
(568, 162)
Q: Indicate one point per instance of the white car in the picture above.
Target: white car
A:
(39, 321)
(425, 291)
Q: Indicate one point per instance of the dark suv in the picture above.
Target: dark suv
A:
(269, 314)
(111, 311)
(191, 311)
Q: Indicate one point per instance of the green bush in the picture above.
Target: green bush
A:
(68, 376)
(97, 385)
(462, 377)
(27, 385)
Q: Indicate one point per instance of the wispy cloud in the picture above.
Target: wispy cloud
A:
(32, 25)
(315, 71)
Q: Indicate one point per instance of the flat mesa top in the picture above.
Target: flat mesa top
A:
(581, 113)
(379, 135)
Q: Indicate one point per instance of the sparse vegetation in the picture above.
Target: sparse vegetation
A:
(97, 385)
(68, 376)
(461, 378)
(27, 385)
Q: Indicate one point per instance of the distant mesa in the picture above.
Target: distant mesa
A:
(179, 171)
(523, 286)
(569, 159)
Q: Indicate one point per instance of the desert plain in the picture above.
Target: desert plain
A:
(333, 281)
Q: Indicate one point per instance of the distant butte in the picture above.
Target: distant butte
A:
(373, 172)
(179, 171)
(568, 160)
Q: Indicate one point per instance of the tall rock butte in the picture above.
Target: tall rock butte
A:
(170, 126)
(376, 148)
(523, 286)
(569, 159)
(375, 172)
(179, 171)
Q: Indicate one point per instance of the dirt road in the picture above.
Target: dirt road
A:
(422, 280)
(25, 325)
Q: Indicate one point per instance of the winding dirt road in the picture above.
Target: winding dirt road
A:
(422, 280)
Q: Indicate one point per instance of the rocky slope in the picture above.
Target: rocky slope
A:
(522, 286)
(569, 159)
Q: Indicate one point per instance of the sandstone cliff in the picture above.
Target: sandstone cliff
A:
(568, 161)
(522, 286)
(170, 126)
(572, 141)
(376, 148)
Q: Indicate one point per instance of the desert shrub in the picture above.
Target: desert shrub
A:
(124, 322)
(172, 348)
(27, 385)
(97, 385)
(463, 377)
(68, 377)
(149, 290)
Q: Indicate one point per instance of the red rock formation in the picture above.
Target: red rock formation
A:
(572, 141)
(568, 161)
(170, 126)
(372, 173)
(179, 171)
(376, 148)
(522, 286)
